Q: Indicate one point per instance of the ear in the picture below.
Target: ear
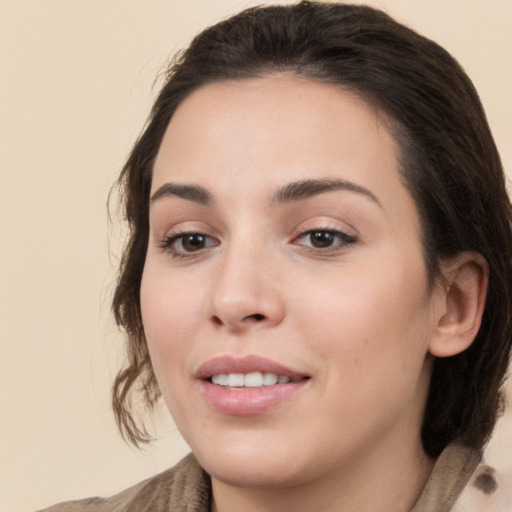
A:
(462, 301)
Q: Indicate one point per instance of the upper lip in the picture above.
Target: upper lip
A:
(247, 364)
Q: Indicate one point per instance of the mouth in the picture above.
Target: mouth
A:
(249, 385)
(248, 371)
(255, 379)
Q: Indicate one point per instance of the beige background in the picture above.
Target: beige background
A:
(75, 86)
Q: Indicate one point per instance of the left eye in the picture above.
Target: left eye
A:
(185, 243)
(324, 238)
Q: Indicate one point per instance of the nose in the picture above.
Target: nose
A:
(246, 292)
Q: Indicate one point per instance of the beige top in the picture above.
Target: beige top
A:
(458, 483)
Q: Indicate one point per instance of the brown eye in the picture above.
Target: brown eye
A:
(184, 244)
(321, 239)
(193, 242)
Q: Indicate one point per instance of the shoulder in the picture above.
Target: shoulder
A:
(185, 487)
(460, 482)
(486, 491)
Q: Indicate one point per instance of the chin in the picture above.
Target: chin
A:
(254, 466)
(254, 474)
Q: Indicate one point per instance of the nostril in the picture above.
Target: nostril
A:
(256, 317)
(216, 320)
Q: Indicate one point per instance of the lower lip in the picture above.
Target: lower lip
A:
(247, 401)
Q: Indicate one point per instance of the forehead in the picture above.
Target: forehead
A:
(246, 115)
(249, 135)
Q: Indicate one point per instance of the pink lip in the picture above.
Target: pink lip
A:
(247, 401)
(230, 364)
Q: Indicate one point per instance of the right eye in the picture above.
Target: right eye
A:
(184, 244)
(326, 241)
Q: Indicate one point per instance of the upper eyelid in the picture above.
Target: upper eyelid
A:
(328, 230)
(171, 236)
(165, 244)
(183, 228)
(325, 225)
(348, 238)
(300, 228)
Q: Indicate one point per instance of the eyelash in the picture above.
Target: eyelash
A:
(345, 241)
(167, 244)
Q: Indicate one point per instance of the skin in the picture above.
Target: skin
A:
(357, 317)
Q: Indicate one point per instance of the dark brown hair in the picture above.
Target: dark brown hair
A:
(449, 163)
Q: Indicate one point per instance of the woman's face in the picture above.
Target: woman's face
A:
(284, 247)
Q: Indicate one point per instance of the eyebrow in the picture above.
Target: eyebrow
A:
(292, 192)
(304, 189)
(194, 193)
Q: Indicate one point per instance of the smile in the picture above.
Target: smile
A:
(251, 380)
(249, 385)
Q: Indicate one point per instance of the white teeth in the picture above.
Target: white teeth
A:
(221, 379)
(250, 380)
(269, 379)
(236, 380)
(253, 380)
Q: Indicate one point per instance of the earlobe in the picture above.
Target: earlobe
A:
(463, 300)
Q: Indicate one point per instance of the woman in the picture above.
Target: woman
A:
(318, 271)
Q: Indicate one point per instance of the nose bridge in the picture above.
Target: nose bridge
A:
(245, 292)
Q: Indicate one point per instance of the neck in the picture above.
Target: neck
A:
(387, 480)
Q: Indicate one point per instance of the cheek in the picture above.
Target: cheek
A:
(170, 311)
(369, 317)
(370, 334)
